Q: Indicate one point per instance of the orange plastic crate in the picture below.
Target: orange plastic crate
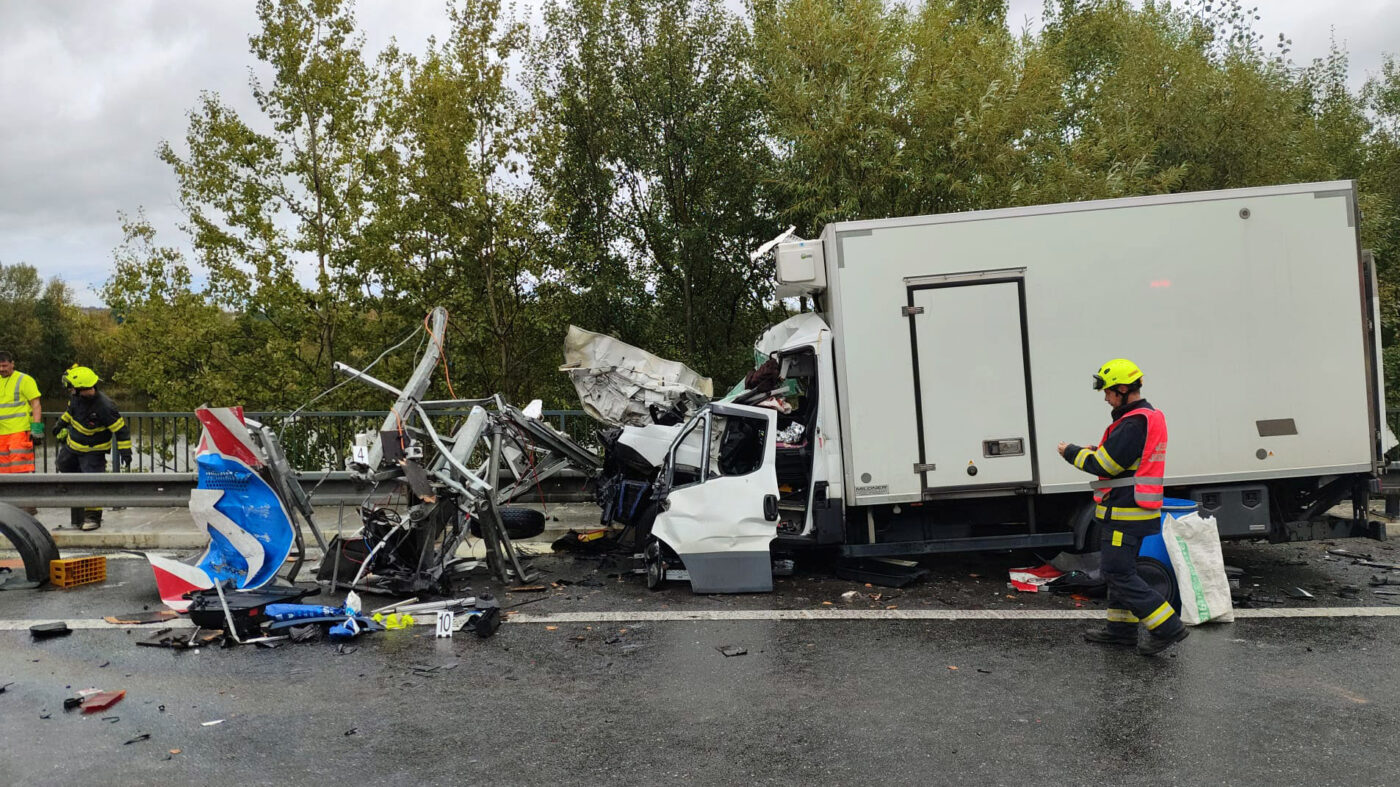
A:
(69, 572)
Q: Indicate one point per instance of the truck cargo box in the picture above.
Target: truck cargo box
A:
(964, 343)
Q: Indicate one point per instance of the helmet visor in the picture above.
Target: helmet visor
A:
(1099, 383)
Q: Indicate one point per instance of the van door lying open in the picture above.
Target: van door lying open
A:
(719, 503)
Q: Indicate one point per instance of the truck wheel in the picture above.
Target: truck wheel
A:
(1160, 579)
(655, 563)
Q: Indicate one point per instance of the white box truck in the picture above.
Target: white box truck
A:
(949, 354)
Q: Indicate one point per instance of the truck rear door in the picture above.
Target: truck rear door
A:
(970, 375)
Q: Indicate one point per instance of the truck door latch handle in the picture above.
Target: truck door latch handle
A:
(770, 508)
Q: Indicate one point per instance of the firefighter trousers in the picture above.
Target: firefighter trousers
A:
(1131, 601)
(70, 461)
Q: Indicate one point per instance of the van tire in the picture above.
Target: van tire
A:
(520, 523)
(654, 559)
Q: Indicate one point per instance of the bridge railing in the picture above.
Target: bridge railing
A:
(165, 442)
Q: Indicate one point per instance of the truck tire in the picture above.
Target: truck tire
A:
(520, 523)
(33, 540)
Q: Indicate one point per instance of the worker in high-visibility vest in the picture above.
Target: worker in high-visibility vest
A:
(85, 433)
(21, 418)
(1130, 462)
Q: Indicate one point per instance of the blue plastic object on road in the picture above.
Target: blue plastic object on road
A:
(1154, 547)
(302, 611)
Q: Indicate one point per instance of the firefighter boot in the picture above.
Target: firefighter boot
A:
(1109, 635)
(1152, 644)
(92, 520)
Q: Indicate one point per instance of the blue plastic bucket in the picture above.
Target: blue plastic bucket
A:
(1178, 507)
(1155, 548)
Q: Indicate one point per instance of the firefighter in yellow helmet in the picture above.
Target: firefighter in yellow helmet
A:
(85, 434)
(1130, 462)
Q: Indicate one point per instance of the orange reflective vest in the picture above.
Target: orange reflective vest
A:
(1149, 470)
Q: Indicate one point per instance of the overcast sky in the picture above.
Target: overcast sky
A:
(89, 89)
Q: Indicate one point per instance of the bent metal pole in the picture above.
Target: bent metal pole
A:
(412, 391)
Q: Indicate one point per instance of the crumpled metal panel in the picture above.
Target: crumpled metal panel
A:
(616, 381)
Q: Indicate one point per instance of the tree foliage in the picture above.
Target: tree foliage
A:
(613, 166)
(46, 331)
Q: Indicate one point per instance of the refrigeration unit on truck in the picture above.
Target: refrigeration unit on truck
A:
(948, 355)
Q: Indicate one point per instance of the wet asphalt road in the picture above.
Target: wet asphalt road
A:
(1299, 701)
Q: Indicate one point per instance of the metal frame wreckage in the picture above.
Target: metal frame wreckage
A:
(456, 476)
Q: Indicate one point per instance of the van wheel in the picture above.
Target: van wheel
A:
(655, 563)
(520, 523)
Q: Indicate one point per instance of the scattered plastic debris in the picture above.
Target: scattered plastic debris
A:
(101, 700)
(1032, 578)
(50, 630)
(140, 618)
(211, 723)
(732, 650)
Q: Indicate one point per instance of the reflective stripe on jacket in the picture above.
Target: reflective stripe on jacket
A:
(14, 404)
(1146, 475)
(16, 453)
(89, 425)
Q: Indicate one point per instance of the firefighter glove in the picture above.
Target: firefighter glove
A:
(126, 459)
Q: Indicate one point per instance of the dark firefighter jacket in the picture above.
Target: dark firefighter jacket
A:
(89, 424)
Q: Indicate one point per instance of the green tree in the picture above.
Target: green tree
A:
(680, 165)
(175, 349)
(45, 330)
(275, 216)
(456, 220)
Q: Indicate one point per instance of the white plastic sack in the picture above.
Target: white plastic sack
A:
(1194, 546)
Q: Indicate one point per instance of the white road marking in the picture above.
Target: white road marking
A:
(917, 614)
(664, 616)
(97, 623)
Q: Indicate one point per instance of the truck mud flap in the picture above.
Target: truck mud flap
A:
(35, 545)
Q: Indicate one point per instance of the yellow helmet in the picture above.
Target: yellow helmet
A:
(80, 377)
(1119, 371)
